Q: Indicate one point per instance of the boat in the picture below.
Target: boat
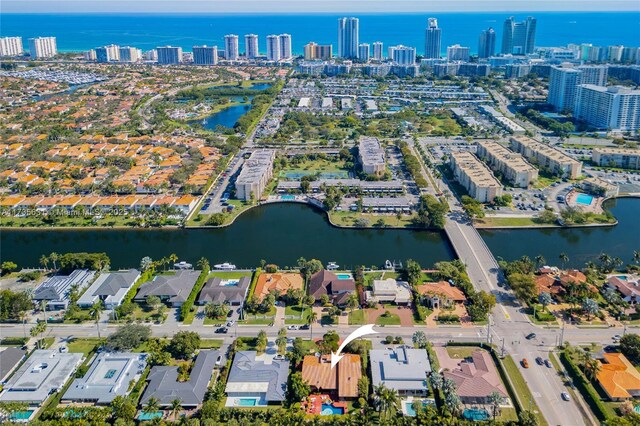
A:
(225, 266)
(388, 264)
(182, 265)
(332, 266)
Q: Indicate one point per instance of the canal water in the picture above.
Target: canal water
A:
(281, 233)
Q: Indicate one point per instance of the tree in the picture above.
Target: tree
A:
(95, 312)
(176, 407)
(123, 408)
(540, 260)
(312, 318)
(524, 286)
(353, 301)
(261, 342)
(451, 398)
(184, 343)
(10, 407)
(363, 387)
(436, 380)
(420, 339)
(53, 257)
(44, 261)
(386, 401)
(330, 342)
(527, 418)
(298, 388)
(324, 299)
(281, 342)
(495, 399)
(203, 264)
(564, 258)
(128, 337)
(8, 266)
(146, 263)
(38, 330)
(215, 310)
(590, 307)
(630, 346)
(544, 299)
(591, 368)
(413, 272)
(153, 302)
(309, 267)
(151, 406)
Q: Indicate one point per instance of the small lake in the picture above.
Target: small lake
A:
(227, 117)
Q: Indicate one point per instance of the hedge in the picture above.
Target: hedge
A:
(254, 281)
(588, 392)
(187, 306)
(144, 277)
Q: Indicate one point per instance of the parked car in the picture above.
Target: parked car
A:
(548, 364)
(221, 330)
(525, 363)
(219, 360)
(565, 396)
(293, 327)
(531, 336)
(230, 323)
(63, 349)
(304, 327)
(539, 360)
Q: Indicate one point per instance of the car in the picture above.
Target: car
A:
(539, 361)
(525, 363)
(304, 327)
(219, 360)
(230, 323)
(531, 336)
(221, 330)
(616, 337)
(565, 396)
(230, 313)
(547, 363)
(279, 357)
(293, 327)
(63, 349)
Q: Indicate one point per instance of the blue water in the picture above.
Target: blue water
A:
(149, 416)
(475, 414)
(77, 32)
(584, 199)
(344, 276)
(287, 197)
(328, 410)
(247, 402)
(21, 415)
(227, 117)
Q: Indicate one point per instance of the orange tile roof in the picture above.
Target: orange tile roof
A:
(11, 200)
(320, 376)
(280, 282)
(618, 377)
(349, 372)
(442, 288)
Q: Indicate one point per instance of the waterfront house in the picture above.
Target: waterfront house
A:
(228, 291)
(173, 288)
(476, 378)
(165, 387)
(326, 282)
(340, 382)
(256, 380)
(279, 282)
(627, 285)
(390, 290)
(110, 287)
(401, 368)
(54, 292)
(109, 375)
(618, 377)
(441, 294)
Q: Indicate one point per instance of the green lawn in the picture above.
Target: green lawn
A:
(391, 319)
(506, 221)
(461, 352)
(228, 275)
(84, 345)
(521, 388)
(257, 321)
(210, 343)
(246, 343)
(357, 317)
(298, 312)
(213, 321)
(348, 218)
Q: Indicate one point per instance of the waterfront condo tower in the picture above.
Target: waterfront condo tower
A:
(519, 38)
(378, 48)
(403, 55)
(285, 46)
(273, 48)
(110, 53)
(433, 39)
(231, 47)
(348, 36)
(43, 47)
(11, 46)
(168, 55)
(250, 46)
(364, 51)
(205, 55)
(487, 43)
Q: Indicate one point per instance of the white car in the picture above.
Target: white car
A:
(293, 327)
(63, 349)
(219, 360)
(565, 396)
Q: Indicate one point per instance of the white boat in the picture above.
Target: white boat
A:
(388, 264)
(332, 266)
(183, 265)
(225, 266)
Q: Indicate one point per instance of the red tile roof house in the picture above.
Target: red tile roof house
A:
(326, 282)
(476, 379)
(628, 286)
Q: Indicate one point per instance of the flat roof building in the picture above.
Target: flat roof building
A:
(401, 368)
(390, 290)
(610, 108)
(547, 157)
(110, 287)
(371, 156)
(512, 166)
(623, 158)
(55, 290)
(256, 173)
(475, 176)
(109, 375)
(9, 359)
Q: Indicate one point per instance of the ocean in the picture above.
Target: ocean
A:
(77, 32)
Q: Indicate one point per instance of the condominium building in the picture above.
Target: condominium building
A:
(286, 51)
(231, 47)
(205, 55)
(615, 53)
(168, 55)
(564, 82)
(512, 166)
(403, 55)
(251, 46)
(314, 51)
(487, 43)
(43, 47)
(518, 38)
(458, 53)
(89, 55)
(364, 51)
(371, 156)
(433, 39)
(110, 53)
(610, 108)
(378, 48)
(348, 37)
(273, 48)
(130, 54)
(256, 173)
(622, 158)
(475, 176)
(547, 157)
(11, 46)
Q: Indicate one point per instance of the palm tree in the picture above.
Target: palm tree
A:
(312, 317)
(591, 368)
(152, 406)
(352, 301)
(281, 342)
(53, 257)
(386, 400)
(176, 408)
(37, 331)
(44, 261)
(564, 259)
(95, 312)
(540, 260)
(495, 399)
(173, 258)
(203, 263)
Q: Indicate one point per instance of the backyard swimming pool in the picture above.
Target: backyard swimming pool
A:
(229, 283)
(149, 416)
(21, 415)
(475, 414)
(247, 402)
(584, 199)
(344, 276)
(328, 410)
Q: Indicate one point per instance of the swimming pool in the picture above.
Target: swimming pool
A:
(247, 402)
(329, 410)
(408, 406)
(229, 283)
(475, 414)
(21, 415)
(287, 197)
(344, 276)
(637, 409)
(584, 199)
(149, 416)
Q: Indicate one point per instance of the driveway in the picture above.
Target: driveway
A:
(405, 314)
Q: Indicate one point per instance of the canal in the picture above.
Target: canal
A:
(282, 233)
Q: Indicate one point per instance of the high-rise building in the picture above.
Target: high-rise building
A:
(205, 55)
(285, 46)
(563, 85)
(630, 55)
(348, 37)
(433, 39)
(364, 52)
(168, 55)
(314, 51)
(251, 46)
(150, 55)
(390, 51)
(457, 53)
(519, 38)
(612, 108)
(231, 47)
(403, 55)
(615, 53)
(273, 48)
(596, 54)
(130, 54)
(594, 74)
(43, 47)
(110, 53)
(89, 55)
(378, 48)
(11, 46)
(487, 43)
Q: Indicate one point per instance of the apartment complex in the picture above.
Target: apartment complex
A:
(458, 53)
(371, 156)
(205, 55)
(251, 46)
(314, 51)
(611, 108)
(256, 173)
(11, 46)
(168, 55)
(622, 158)
(129, 54)
(518, 38)
(509, 164)
(110, 53)
(432, 40)
(348, 36)
(547, 157)
(273, 48)
(487, 43)
(565, 80)
(231, 47)
(43, 47)
(475, 176)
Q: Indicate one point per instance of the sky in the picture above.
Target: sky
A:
(311, 6)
